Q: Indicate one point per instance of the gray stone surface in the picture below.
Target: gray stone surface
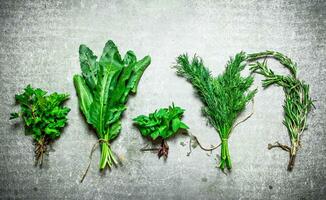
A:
(39, 45)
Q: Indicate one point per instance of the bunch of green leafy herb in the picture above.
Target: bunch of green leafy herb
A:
(103, 90)
(44, 117)
(224, 96)
(297, 103)
(164, 123)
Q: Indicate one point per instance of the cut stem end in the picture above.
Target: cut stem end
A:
(163, 150)
(40, 151)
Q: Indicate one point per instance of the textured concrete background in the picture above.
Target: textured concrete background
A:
(39, 45)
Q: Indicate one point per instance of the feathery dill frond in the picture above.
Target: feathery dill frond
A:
(224, 96)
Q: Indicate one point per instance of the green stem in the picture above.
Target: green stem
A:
(104, 155)
(225, 155)
(107, 156)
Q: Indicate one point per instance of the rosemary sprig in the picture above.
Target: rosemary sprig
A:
(297, 103)
(224, 96)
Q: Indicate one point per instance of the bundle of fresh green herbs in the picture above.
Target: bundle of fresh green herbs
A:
(297, 103)
(43, 115)
(163, 124)
(103, 90)
(224, 96)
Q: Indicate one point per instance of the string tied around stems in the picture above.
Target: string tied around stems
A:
(96, 144)
(193, 137)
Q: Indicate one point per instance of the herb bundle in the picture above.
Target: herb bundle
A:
(44, 117)
(103, 90)
(224, 96)
(164, 123)
(297, 103)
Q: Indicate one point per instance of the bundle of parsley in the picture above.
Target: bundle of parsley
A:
(161, 124)
(224, 96)
(44, 117)
(103, 90)
(297, 103)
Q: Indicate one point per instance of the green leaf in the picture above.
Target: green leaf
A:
(155, 134)
(85, 97)
(114, 114)
(130, 58)
(163, 123)
(183, 126)
(51, 131)
(121, 88)
(102, 97)
(101, 94)
(115, 130)
(110, 56)
(43, 115)
(14, 115)
(139, 69)
(89, 66)
(176, 124)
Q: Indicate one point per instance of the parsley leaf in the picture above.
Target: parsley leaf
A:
(43, 115)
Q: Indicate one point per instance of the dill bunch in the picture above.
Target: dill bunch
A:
(297, 103)
(224, 97)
